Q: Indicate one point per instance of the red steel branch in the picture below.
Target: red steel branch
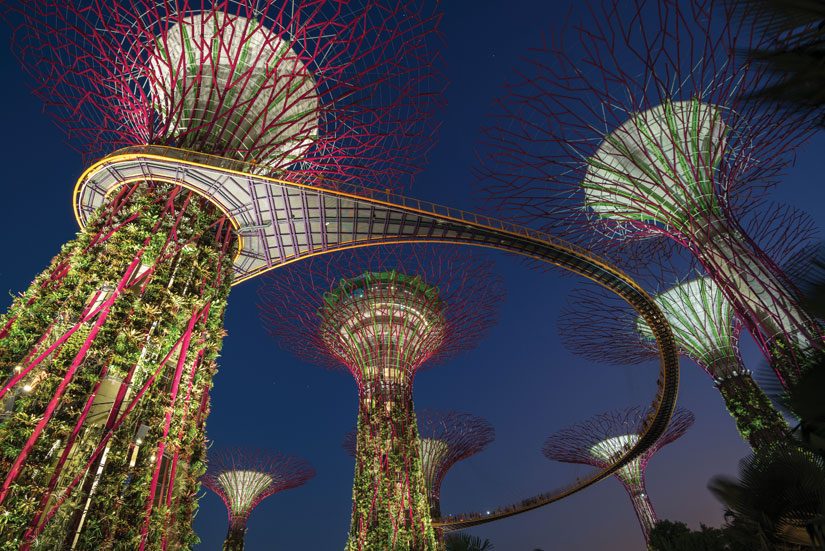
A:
(291, 297)
(329, 91)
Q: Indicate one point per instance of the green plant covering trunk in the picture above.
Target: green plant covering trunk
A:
(108, 358)
(235, 536)
(390, 509)
(756, 417)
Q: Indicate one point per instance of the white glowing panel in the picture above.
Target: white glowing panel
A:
(218, 67)
(658, 166)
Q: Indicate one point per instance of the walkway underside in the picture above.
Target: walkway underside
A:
(281, 222)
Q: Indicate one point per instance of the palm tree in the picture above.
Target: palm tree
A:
(465, 542)
(796, 52)
(779, 498)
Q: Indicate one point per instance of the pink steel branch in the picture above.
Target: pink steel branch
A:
(349, 93)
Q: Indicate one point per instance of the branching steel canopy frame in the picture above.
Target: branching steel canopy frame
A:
(280, 222)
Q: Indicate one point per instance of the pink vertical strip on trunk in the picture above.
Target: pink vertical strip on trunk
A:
(78, 359)
(167, 425)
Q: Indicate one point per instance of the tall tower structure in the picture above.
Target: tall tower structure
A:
(111, 351)
(243, 478)
(447, 438)
(599, 441)
(646, 133)
(383, 315)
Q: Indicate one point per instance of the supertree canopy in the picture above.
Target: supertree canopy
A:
(107, 359)
(382, 314)
(602, 439)
(332, 91)
(243, 478)
(639, 128)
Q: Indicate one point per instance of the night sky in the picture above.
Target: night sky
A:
(519, 378)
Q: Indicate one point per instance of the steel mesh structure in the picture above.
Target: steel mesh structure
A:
(599, 440)
(635, 128)
(107, 359)
(382, 314)
(706, 330)
(243, 478)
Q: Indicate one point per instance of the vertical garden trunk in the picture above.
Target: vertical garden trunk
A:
(390, 509)
(235, 535)
(756, 418)
(643, 508)
(138, 297)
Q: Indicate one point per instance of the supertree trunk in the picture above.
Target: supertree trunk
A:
(643, 508)
(755, 416)
(109, 354)
(390, 509)
(235, 535)
(761, 294)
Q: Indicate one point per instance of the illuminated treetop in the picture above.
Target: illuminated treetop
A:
(638, 126)
(381, 312)
(602, 439)
(244, 478)
(339, 90)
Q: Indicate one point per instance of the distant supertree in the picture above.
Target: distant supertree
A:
(110, 352)
(445, 438)
(382, 314)
(595, 326)
(636, 128)
(243, 478)
(600, 328)
(602, 439)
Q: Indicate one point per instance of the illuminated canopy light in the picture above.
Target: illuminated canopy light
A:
(240, 75)
(242, 488)
(602, 440)
(611, 449)
(702, 321)
(384, 323)
(433, 453)
(657, 167)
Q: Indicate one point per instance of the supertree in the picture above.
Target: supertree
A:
(595, 326)
(707, 331)
(383, 314)
(637, 127)
(445, 438)
(110, 352)
(600, 440)
(243, 478)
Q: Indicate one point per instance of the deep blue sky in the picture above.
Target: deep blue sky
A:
(519, 378)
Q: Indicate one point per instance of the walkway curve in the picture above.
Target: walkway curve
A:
(283, 222)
